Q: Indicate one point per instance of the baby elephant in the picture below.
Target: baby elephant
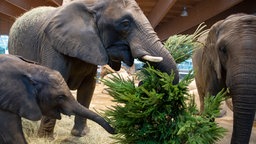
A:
(29, 90)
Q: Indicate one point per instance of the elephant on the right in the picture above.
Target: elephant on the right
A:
(228, 60)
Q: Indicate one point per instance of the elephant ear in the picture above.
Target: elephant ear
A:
(18, 96)
(211, 50)
(72, 31)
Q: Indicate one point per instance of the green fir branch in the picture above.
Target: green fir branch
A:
(159, 112)
(182, 46)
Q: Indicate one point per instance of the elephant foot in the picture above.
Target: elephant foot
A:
(45, 134)
(46, 128)
(222, 113)
(80, 132)
(80, 127)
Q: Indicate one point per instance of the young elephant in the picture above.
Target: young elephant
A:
(29, 90)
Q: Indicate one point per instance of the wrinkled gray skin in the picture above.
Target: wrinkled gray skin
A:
(74, 38)
(29, 90)
(228, 60)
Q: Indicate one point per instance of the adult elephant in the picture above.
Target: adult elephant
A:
(78, 36)
(228, 61)
(29, 90)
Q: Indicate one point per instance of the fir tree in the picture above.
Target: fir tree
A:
(158, 112)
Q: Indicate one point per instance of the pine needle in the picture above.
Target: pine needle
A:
(159, 112)
(182, 46)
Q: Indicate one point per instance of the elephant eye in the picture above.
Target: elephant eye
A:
(60, 98)
(223, 49)
(125, 24)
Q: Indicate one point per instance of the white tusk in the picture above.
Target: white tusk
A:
(152, 58)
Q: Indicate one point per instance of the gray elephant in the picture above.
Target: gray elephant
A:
(228, 61)
(29, 90)
(74, 38)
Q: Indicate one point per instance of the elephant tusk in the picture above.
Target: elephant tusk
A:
(152, 58)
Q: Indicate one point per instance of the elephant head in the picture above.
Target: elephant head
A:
(228, 61)
(107, 32)
(30, 91)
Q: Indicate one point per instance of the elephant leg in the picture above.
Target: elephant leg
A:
(201, 99)
(46, 127)
(201, 95)
(11, 128)
(84, 96)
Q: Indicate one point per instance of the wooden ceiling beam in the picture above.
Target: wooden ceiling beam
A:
(5, 24)
(198, 14)
(159, 11)
(22, 4)
(6, 14)
(57, 2)
(10, 10)
(29, 4)
(14, 8)
(4, 17)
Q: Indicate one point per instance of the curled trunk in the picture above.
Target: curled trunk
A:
(168, 64)
(146, 42)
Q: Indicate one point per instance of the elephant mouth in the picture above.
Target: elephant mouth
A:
(53, 114)
(119, 52)
(58, 116)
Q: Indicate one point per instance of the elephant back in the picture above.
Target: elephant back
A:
(24, 34)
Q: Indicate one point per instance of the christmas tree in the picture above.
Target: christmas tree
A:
(158, 112)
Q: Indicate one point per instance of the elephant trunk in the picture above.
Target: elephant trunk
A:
(168, 64)
(86, 113)
(146, 42)
(244, 113)
(242, 125)
(243, 92)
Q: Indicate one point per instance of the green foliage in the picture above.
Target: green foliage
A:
(212, 104)
(201, 129)
(158, 112)
(182, 46)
